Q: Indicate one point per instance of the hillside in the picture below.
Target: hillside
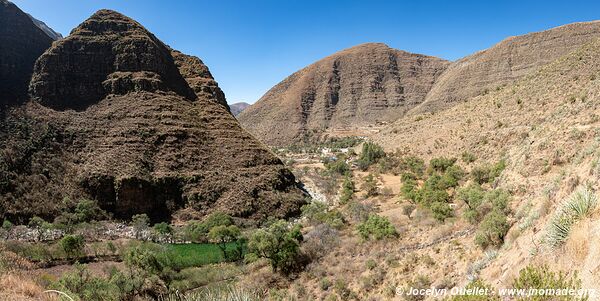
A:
(505, 62)
(120, 124)
(238, 108)
(21, 43)
(545, 126)
(358, 86)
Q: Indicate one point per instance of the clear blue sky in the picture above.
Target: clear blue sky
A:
(251, 45)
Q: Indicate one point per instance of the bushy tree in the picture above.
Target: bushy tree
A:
(223, 235)
(441, 164)
(280, 244)
(492, 230)
(347, 190)
(140, 223)
(543, 278)
(319, 213)
(370, 186)
(376, 227)
(441, 211)
(370, 154)
(73, 245)
(198, 231)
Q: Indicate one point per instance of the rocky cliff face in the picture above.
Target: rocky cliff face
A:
(357, 86)
(21, 43)
(199, 78)
(106, 54)
(505, 62)
(114, 120)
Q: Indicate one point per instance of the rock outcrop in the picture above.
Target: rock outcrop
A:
(21, 43)
(197, 75)
(128, 131)
(357, 86)
(504, 63)
(104, 55)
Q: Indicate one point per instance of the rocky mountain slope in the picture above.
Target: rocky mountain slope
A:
(46, 29)
(21, 43)
(113, 119)
(505, 62)
(546, 127)
(238, 108)
(361, 85)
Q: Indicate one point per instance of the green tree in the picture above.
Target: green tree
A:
(370, 186)
(38, 224)
(140, 223)
(88, 210)
(492, 230)
(376, 227)
(347, 190)
(163, 230)
(370, 154)
(280, 244)
(223, 235)
(73, 245)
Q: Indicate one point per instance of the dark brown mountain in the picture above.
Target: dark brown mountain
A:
(199, 77)
(21, 43)
(354, 87)
(238, 108)
(505, 62)
(114, 120)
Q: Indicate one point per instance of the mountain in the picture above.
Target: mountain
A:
(545, 126)
(113, 119)
(199, 77)
(21, 43)
(505, 62)
(46, 29)
(358, 86)
(238, 107)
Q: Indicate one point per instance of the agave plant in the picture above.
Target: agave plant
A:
(229, 293)
(579, 205)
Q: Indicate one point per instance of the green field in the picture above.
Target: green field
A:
(194, 255)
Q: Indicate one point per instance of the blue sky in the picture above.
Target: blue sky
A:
(252, 45)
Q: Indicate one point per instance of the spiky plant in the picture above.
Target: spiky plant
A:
(230, 293)
(579, 205)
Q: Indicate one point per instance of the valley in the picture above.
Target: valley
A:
(371, 174)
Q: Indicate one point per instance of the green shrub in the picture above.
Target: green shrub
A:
(452, 175)
(414, 165)
(370, 186)
(441, 164)
(409, 190)
(492, 230)
(319, 213)
(338, 166)
(198, 231)
(80, 284)
(73, 245)
(468, 157)
(441, 211)
(579, 205)
(280, 244)
(376, 227)
(347, 190)
(140, 222)
(487, 174)
(370, 154)
(542, 278)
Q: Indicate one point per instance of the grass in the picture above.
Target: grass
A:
(579, 205)
(193, 255)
